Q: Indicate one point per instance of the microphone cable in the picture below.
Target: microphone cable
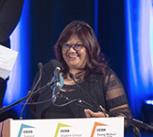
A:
(57, 105)
(40, 66)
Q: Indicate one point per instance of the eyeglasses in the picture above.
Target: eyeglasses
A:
(76, 47)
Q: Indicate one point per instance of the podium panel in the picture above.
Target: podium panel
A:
(85, 127)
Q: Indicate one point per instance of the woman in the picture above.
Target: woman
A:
(91, 88)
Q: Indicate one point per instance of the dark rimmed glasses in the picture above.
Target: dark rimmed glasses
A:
(76, 46)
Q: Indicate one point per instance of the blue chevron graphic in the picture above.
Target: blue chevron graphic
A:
(22, 127)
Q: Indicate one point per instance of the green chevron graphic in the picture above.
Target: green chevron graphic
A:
(60, 125)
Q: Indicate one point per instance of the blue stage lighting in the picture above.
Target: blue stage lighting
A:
(17, 85)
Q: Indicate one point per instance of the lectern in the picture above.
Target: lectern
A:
(84, 127)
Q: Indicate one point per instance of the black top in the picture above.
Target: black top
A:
(97, 89)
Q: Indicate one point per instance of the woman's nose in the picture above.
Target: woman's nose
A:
(71, 49)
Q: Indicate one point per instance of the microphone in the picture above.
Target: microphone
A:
(58, 78)
(57, 81)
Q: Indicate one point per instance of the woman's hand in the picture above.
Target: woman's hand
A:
(89, 114)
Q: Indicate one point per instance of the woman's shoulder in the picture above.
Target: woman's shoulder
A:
(102, 77)
(107, 71)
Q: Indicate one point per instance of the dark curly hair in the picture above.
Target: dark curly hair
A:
(96, 61)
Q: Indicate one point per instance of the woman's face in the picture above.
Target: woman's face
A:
(74, 53)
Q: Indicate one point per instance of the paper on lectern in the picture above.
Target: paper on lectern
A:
(7, 60)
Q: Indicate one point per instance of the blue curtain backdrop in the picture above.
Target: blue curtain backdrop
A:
(139, 42)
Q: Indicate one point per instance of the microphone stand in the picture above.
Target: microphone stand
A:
(3, 109)
(140, 124)
(137, 125)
